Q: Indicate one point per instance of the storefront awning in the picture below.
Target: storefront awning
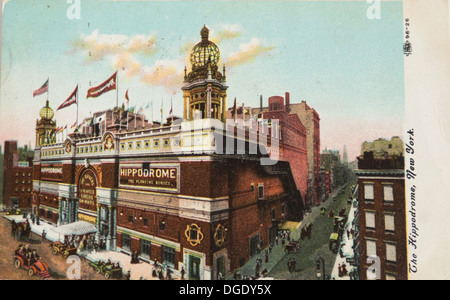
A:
(76, 228)
(289, 225)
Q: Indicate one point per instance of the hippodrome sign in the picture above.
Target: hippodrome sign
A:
(150, 177)
(51, 172)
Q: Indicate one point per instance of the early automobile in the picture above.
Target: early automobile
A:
(32, 266)
(108, 269)
(334, 242)
(62, 249)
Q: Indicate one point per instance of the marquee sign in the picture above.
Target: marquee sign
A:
(150, 176)
(87, 191)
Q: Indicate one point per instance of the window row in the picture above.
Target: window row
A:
(391, 250)
(389, 221)
(388, 192)
(168, 253)
(148, 144)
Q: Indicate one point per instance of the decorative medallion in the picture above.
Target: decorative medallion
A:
(68, 146)
(108, 141)
(193, 234)
(219, 235)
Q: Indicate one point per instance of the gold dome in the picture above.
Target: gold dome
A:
(205, 51)
(46, 112)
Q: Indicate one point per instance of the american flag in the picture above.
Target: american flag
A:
(41, 90)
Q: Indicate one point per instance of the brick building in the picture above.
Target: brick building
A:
(17, 179)
(310, 122)
(381, 213)
(168, 191)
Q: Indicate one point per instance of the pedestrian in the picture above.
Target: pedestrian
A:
(182, 273)
(160, 274)
(266, 260)
(276, 240)
(168, 274)
(352, 232)
(348, 233)
(128, 276)
(44, 235)
(257, 267)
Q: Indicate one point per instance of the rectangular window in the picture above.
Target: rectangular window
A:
(126, 241)
(389, 222)
(145, 248)
(391, 253)
(145, 221)
(168, 255)
(390, 276)
(273, 214)
(260, 191)
(388, 193)
(368, 191)
(130, 219)
(370, 220)
(283, 209)
(371, 248)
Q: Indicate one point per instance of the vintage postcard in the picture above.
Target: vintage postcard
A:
(223, 140)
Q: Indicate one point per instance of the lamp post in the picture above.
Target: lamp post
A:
(320, 268)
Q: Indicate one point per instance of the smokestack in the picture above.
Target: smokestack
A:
(287, 107)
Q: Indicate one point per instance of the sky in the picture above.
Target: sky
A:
(349, 68)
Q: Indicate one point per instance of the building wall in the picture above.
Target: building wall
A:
(379, 234)
(17, 181)
(311, 120)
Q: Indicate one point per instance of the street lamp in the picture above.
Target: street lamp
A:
(320, 268)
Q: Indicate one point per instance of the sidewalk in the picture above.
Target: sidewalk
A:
(347, 250)
(141, 270)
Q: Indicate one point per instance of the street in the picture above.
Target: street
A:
(57, 265)
(310, 249)
(318, 246)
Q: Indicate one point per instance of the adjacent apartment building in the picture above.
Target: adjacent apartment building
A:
(381, 239)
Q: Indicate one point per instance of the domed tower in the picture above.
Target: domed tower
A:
(204, 88)
(45, 127)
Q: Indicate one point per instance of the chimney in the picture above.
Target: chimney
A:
(287, 107)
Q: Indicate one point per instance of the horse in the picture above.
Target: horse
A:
(22, 230)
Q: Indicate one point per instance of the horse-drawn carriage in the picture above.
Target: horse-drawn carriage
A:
(21, 229)
(108, 269)
(59, 248)
(292, 247)
(32, 265)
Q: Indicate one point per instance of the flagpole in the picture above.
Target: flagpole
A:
(48, 87)
(78, 100)
(117, 89)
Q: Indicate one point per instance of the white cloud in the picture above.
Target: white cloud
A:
(248, 52)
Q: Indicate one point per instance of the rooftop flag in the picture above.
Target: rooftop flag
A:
(106, 86)
(71, 100)
(41, 90)
(126, 96)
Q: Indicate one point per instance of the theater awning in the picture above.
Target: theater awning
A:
(76, 228)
